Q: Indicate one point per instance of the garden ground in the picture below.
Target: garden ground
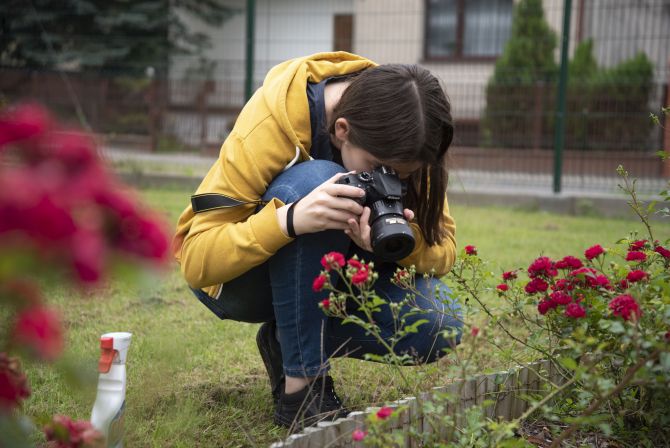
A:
(194, 380)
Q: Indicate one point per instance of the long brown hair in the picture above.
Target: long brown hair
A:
(400, 113)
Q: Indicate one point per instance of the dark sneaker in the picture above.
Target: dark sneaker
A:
(316, 402)
(270, 350)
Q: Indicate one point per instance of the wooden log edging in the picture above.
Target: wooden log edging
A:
(509, 392)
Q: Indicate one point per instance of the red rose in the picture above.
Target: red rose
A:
(575, 311)
(569, 262)
(470, 250)
(26, 121)
(13, 383)
(589, 277)
(536, 285)
(474, 332)
(560, 298)
(601, 281)
(361, 276)
(662, 251)
(502, 287)
(544, 306)
(509, 275)
(355, 263)
(562, 284)
(626, 307)
(384, 413)
(623, 284)
(318, 283)
(332, 260)
(542, 267)
(636, 276)
(594, 251)
(638, 245)
(402, 277)
(39, 329)
(634, 255)
(88, 255)
(144, 237)
(325, 304)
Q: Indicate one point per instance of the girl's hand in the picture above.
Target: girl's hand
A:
(328, 206)
(360, 231)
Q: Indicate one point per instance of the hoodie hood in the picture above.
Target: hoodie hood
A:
(285, 89)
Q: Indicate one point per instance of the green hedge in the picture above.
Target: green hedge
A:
(607, 108)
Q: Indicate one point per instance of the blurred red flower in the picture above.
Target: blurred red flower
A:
(39, 329)
(13, 383)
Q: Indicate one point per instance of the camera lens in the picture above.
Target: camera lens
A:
(392, 238)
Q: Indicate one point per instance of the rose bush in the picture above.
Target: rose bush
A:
(602, 317)
(64, 219)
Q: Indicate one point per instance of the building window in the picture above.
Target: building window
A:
(472, 29)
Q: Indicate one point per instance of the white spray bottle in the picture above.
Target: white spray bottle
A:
(110, 403)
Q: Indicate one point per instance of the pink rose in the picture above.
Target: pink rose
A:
(384, 413)
(325, 304)
(358, 435)
(63, 432)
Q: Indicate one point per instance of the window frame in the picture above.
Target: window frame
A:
(460, 32)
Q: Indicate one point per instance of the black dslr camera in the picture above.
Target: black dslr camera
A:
(391, 236)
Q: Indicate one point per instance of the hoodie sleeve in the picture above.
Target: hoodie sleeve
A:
(223, 244)
(439, 257)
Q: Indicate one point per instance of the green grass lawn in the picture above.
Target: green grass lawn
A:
(194, 380)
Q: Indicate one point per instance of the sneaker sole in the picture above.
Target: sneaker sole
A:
(266, 356)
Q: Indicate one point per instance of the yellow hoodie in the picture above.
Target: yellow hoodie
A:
(272, 130)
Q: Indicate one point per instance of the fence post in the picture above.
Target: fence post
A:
(666, 129)
(538, 114)
(559, 136)
(152, 97)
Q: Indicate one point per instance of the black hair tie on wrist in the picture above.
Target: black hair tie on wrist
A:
(289, 220)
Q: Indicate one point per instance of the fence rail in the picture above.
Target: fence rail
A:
(619, 73)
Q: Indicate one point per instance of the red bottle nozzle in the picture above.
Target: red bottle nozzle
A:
(107, 354)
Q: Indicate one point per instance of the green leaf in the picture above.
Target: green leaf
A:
(568, 363)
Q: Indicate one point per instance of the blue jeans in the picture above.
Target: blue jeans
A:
(281, 289)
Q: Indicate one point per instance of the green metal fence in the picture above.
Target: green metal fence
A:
(501, 63)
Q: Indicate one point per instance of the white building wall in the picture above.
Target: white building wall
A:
(284, 29)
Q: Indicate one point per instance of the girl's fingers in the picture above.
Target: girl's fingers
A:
(409, 214)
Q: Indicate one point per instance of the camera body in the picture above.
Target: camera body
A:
(391, 235)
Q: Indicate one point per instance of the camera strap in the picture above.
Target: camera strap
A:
(215, 201)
